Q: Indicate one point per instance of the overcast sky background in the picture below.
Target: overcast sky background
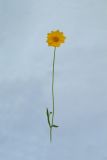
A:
(80, 80)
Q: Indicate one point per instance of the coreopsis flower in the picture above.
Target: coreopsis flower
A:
(55, 38)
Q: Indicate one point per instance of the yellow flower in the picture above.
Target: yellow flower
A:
(55, 38)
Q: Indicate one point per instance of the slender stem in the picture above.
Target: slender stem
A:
(53, 85)
(50, 134)
(53, 108)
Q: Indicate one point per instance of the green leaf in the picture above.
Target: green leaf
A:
(55, 126)
(47, 113)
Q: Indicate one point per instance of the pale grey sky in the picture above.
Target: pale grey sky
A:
(80, 80)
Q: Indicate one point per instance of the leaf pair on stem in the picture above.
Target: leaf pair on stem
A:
(48, 119)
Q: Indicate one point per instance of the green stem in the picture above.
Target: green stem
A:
(50, 134)
(53, 108)
(53, 85)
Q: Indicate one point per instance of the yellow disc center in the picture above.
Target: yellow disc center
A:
(55, 39)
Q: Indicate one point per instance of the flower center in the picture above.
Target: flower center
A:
(55, 39)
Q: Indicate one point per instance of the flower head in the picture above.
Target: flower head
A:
(55, 38)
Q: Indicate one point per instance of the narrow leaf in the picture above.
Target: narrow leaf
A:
(47, 112)
(55, 126)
